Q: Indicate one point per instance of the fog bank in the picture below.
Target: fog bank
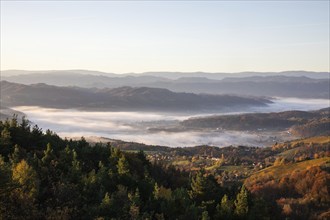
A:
(133, 126)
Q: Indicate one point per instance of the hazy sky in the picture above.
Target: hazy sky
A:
(138, 36)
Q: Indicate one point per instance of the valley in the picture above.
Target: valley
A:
(164, 110)
(177, 129)
(172, 138)
(152, 148)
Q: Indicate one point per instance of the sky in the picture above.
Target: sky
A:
(185, 36)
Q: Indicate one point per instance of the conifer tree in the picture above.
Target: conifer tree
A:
(205, 215)
(241, 203)
(225, 208)
(75, 170)
(198, 187)
(105, 206)
(16, 156)
(122, 166)
(5, 142)
(106, 202)
(75, 162)
(134, 210)
(156, 191)
(48, 154)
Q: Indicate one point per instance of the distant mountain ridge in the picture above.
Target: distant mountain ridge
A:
(119, 99)
(219, 76)
(173, 75)
(279, 78)
(301, 84)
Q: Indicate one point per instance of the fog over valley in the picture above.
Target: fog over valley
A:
(155, 108)
(154, 128)
(165, 110)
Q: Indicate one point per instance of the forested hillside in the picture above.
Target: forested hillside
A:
(300, 123)
(45, 177)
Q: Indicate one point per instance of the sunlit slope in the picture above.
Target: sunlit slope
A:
(277, 172)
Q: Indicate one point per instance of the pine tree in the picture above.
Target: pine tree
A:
(75, 162)
(106, 202)
(225, 208)
(5, 142)
(105, 206)
(75, 170)
(156, 191)
(48, 154)
(135, 198)
(134, 210)
(161, 192)
(6, 188)
(199, 188)
(241, 203)
(16, 156)
(205, 216)
(122, 166)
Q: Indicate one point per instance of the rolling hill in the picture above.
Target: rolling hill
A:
(300, 123)
(120, 99)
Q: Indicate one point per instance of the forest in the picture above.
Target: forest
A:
(43, 176)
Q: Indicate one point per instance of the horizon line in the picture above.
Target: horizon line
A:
(164, 71)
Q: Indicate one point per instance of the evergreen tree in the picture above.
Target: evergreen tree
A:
(17, 155)
(48, 154)
(183, 206)
(259, 209)
(134, 210)
(75, 170)
(205, 216)
(75, 162)
(105, 206)
(225, 208)
(14, 122)
(241, 203)
(5, 142)
(106, 202)
(198, 187)
(156, 191)
(120, 203)
(122, 166)
(7, 187)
